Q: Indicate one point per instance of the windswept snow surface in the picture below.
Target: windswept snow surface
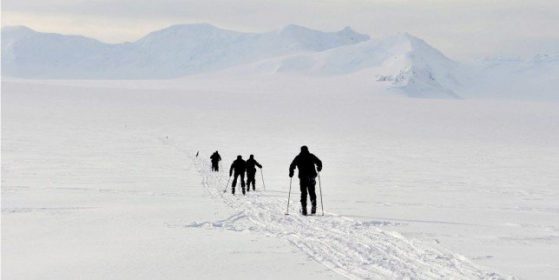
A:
(353, 248)
(99, 182)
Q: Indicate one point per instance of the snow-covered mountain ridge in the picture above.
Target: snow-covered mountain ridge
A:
(168, 53)
(401, 62)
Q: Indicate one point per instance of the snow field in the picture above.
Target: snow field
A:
(354, 249)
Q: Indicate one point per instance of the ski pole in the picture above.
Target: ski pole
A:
(225, 190)
(262, 175)
(320, 190)
(289, 196)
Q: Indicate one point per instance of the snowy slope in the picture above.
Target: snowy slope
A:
(402, 62)
(172, 52)
(27, 53)
(534, 78)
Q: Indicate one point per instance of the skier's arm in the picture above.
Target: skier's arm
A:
(258, 164)
(318, 163)
(231, 170)
(292, 167)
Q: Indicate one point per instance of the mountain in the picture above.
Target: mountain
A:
(402, 62)
(535, 78)
(30, 54)
(172, 52)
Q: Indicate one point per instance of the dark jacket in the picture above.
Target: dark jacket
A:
(305, 162)
(239, 165)
(251, 165)
(215, 157)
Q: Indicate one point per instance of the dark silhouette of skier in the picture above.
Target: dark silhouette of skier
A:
(239, 166)
(251, 164)
(215, 161)
(305, 162)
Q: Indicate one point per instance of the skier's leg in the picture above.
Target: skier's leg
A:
(303, 184)
(243, 182)
(248, 182)
(312, 194)
(234, 183)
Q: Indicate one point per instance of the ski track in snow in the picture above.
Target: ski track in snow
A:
(352, 248)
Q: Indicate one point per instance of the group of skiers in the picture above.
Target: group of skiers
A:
(238, 168)
(308, 165)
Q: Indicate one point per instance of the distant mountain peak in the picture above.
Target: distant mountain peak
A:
(295, 27)
(191, 27)
(17, 30)
(349, 30)
(545, 57)
(346, 31)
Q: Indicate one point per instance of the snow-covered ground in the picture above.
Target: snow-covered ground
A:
(99, 181)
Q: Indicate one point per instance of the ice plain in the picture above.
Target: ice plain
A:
(99, 181)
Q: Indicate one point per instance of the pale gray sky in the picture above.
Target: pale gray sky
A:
(463, 29)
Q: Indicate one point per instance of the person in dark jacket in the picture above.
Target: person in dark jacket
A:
(306, 162)
(239, 166)
(251, 172)
(216, 158)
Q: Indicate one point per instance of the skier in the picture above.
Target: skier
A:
(239, 166)
(251, 172)
(215, 161)
(305, 162)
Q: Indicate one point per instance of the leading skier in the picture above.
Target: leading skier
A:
(305, 163)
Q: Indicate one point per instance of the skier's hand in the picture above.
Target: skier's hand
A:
(319, 168)
(290, 174)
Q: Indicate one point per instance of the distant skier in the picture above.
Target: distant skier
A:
(216, 158)
(251, 164)
(305, 162)
(239, 166)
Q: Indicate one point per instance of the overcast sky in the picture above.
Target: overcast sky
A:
(463, 29)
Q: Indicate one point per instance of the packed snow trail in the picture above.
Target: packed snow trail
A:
(354, 249)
